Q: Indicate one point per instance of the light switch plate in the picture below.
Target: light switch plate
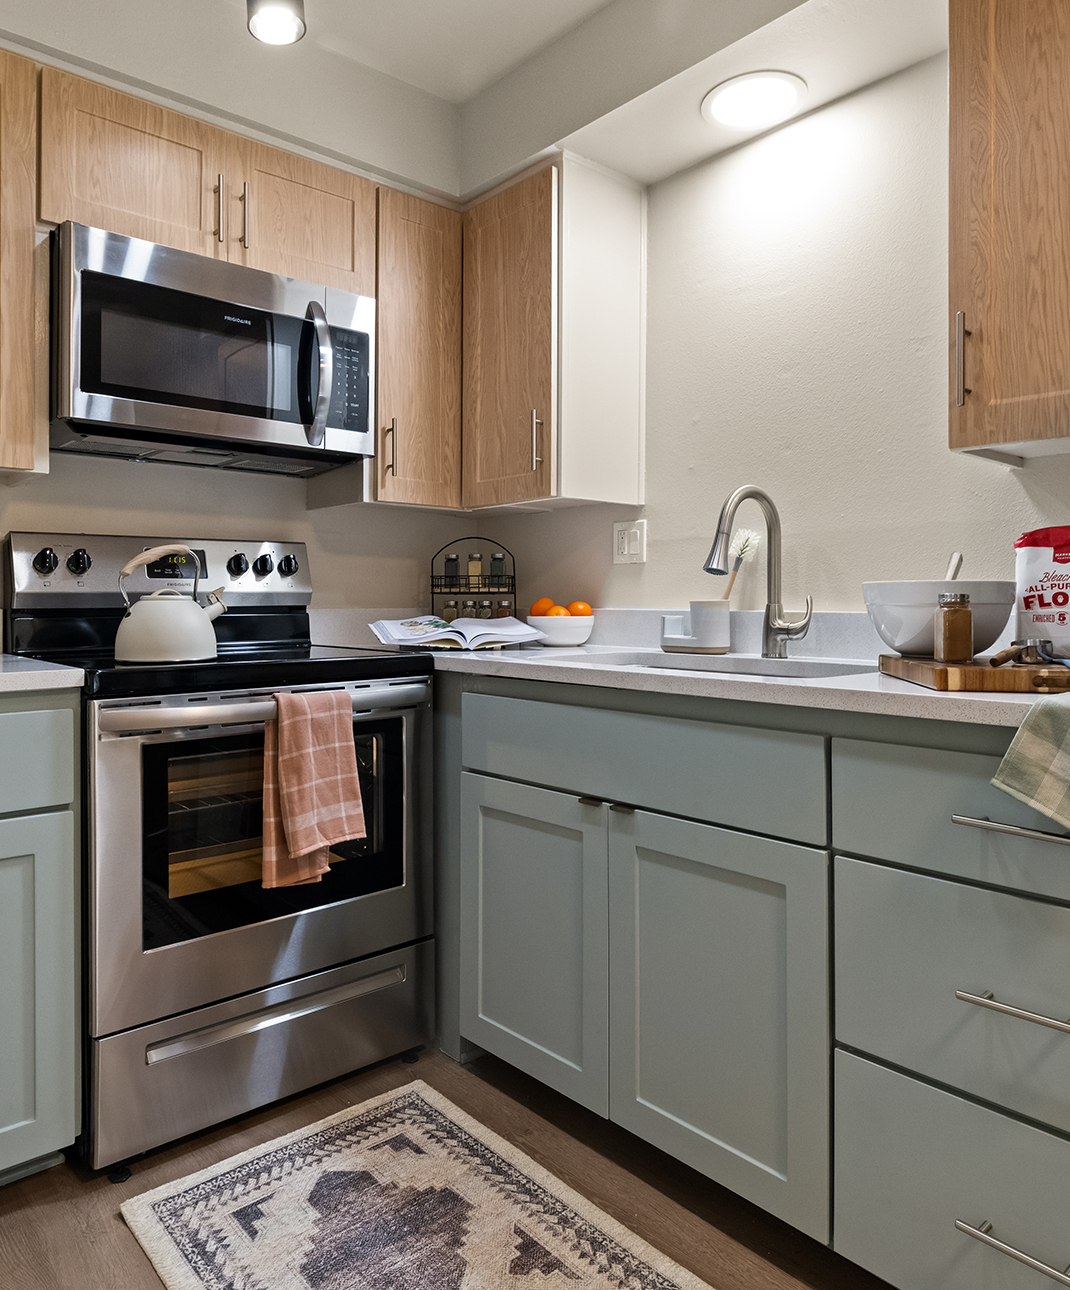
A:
(629, 542)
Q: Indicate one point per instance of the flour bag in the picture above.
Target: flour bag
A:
(1042, 574)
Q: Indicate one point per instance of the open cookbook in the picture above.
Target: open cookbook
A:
(428, 631)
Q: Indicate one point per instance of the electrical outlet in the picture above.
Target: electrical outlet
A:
(629, 542)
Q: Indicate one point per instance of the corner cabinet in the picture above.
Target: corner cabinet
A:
(668, 973)
(553, 340)
(39, 1012)
(1009, 233)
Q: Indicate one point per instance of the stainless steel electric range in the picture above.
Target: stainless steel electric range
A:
(207, 994)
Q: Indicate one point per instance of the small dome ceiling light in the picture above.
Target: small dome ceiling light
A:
(277, 22)
(753, 100)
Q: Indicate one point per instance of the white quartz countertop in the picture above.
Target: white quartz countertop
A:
(865, 692)
(25, 674)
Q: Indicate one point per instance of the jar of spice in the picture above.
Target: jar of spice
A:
(451, 611)
(452, 569)
(953, 628)
(485, 609)
(505, 609)
(468, 609)
(497, 571)
(475, 564)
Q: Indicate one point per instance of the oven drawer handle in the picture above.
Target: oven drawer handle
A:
(133, 720)
(276, 1015)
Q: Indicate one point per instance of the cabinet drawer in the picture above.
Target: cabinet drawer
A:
(760, 780)
(895, 803)
(911, 1160)
(36, 759)
(906, 943)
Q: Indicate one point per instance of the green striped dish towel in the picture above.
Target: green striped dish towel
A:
(1036, 767)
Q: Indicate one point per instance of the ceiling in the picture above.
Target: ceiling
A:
(450, 48)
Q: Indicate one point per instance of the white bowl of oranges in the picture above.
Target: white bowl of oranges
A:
(562, 624)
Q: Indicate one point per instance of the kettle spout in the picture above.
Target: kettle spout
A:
(215, 605)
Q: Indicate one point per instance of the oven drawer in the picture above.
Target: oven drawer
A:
(906, 943)
(159, 1082)
(911, 1160)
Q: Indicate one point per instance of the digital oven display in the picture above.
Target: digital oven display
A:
(177, 566)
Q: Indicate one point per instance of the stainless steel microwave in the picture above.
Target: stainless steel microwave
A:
(158, 354)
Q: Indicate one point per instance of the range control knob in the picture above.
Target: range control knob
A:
(288, 566)
(262, 565)
(45, 560)
(238, 564)
(80, 562)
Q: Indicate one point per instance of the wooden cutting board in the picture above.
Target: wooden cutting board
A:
(1012, 678)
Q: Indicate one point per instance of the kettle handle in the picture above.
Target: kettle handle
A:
(154, 553)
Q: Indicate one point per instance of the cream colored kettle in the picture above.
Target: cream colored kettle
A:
(166, 626)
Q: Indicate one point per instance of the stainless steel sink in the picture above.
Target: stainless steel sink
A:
(722, 664)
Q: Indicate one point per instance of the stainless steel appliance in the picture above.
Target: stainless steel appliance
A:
(207, 994)
(161, 355)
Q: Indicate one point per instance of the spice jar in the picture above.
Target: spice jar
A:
(451, 611)
(505, 609)
(953, 628)
(497, 571)
(475, 565)
(468, 609)
(485, 609)
(453, 569)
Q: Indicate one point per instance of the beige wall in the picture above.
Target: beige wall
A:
(797, 340)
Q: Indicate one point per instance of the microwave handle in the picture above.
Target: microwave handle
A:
(325, 357)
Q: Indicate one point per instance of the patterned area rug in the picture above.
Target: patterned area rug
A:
(404, 1192)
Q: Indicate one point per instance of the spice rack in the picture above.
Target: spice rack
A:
(489, 584)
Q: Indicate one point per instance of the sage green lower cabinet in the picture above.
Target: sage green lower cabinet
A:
(719, 1046)
(534, 958)
(38, 1005)
(911, 1160)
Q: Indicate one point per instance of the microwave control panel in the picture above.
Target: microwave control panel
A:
(350, 386)
(68, 569)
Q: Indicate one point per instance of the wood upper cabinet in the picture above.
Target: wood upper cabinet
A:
(1010, 224)
(419, 352)
(510, 317)
(18, 139)
(118, 163)
(291, 215)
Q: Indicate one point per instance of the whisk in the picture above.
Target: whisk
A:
(744, 547)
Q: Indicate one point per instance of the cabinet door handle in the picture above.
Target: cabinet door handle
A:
(590, 801)
(621, 808)
(535, 423)
(961, 332)
(393, 433)
(981, 1234)
(245, 215)
(219, 209)
(988, 1000)
(1037, 835)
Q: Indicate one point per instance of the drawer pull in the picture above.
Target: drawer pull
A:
(982, 1234)
(988, 1001)
(589, 801)
(621, 809)
(985, 823)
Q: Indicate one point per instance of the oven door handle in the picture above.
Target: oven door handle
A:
(137, 720)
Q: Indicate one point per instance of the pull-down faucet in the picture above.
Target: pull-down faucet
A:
(775, 632)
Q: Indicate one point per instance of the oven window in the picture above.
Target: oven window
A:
(202, 808)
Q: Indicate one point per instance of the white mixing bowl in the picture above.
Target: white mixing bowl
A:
(564, 631)
(902, 612)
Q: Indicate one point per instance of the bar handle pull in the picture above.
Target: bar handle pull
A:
(988, 1000)
(393, 433)
(982, 1233)
(245, 215)
(1037, 835)
(219, 208)
(535, 423)
(961, 332)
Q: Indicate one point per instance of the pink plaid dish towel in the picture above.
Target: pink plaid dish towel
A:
(311, 791)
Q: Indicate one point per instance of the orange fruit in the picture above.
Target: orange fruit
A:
(539, 608)
(556, 611)
(580, 609)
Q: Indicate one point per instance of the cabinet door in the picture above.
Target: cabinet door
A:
(534, 933)
(302, 219)
(510, 342)
(38, 1002)
(719, 1019)
(1009, 233)
(131, 167)
(419, 351)
(18, 162)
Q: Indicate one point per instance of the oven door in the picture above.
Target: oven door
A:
(178, 913)
(151, 338)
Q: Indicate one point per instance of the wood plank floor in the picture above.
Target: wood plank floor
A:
(61, 1229)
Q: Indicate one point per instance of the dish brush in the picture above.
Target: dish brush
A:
(744, 547)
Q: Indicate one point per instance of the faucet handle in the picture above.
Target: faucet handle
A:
(793, 631)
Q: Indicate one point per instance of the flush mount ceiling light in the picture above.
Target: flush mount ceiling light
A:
(753, 100)
(277, 22)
